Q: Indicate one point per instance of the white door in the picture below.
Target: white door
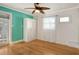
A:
(29, 29)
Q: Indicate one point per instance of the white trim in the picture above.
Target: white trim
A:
(28, 41)
(10, 29)
(24, 33)
(10, 26)
(17, 41)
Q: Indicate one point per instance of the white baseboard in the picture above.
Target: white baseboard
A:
(27, 40)
(16, 42)
(19, 41)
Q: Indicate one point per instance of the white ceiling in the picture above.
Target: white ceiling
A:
(53, 6)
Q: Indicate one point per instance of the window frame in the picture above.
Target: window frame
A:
(49, 23)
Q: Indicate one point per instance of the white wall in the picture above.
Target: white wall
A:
(65, 33)
(68, 33)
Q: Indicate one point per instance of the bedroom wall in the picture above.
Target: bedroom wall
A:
(68, 33)
(65, 33)
(17, 22)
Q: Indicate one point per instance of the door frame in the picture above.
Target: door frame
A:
(10, 26)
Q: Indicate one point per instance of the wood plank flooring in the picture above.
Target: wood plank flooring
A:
(38, 47)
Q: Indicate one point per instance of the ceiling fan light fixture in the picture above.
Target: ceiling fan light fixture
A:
(37, 11)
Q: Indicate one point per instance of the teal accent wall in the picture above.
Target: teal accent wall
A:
(17, 22)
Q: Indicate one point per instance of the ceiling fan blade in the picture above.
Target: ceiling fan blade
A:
(33, 11)
(44, 8)
(41, 11)
(29, 8)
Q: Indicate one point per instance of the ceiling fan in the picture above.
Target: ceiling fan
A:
(37, 8)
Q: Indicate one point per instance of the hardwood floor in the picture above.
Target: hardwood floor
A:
(38, 47)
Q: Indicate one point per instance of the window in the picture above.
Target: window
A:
(64, 19)
(49, 23)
